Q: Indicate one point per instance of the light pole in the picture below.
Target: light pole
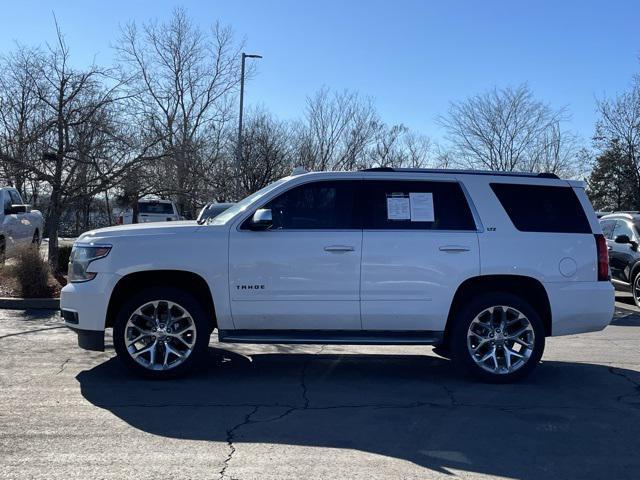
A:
(239, 146)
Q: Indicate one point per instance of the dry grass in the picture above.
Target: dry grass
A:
(28, 275)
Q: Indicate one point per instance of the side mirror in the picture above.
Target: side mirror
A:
(14, 209)
(622, 239)
(262, 219)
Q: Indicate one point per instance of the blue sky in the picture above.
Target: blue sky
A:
(411, 57)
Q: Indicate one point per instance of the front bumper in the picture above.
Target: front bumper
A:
(84, 309)
(90, 339)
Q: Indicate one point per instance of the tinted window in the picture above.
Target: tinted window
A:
(318, 205)
(391, 205)
(623, 228)
(7, 200)
(15, 197)
(537, 208)
(607, 227)
(153, 207)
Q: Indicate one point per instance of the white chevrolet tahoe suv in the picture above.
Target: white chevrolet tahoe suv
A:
(482, 265)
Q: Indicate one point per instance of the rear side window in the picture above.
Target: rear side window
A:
(538, 208)
(415, 205)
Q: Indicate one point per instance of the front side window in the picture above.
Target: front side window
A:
(327, 205)
(623, 228)
(416, 205)
(15, 197)
(7, 200)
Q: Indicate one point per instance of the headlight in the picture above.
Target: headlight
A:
(80, 258)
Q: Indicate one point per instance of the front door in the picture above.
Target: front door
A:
(303, 272)
(622, 255)
(419, 243)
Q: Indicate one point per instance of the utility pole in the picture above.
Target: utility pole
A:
(239, 146)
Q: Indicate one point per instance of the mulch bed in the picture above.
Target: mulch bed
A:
(9, 286)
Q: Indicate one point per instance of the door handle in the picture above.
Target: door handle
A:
(338, 248)
(453, 248)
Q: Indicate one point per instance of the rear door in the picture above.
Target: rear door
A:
(304, 272)
(419, 243)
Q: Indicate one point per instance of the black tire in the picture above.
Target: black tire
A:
(635, 288)
(36, 238)
(461, 354)
(180, 297)
(2, 251)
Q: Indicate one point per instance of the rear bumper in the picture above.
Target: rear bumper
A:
(580, 307)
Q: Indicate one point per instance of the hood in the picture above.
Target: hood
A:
(140, 229)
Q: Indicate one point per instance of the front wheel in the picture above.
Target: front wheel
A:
(498, 338)
(161, 333)
(635, 289)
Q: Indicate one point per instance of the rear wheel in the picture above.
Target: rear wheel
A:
(161, 333)
(498, 338)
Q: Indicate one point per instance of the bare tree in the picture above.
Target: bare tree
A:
(336, 131)
(81, 148)
(504, 129)
(182, 81)
(19, 118)
(619, 125)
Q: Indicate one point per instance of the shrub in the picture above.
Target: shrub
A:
(32, 273)
(64, 252)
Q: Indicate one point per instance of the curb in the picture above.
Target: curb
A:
(9, 303)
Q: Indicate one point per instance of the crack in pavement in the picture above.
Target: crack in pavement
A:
(232, 447)
(636, 385)
(247, 420)
(30, 331)
(64, 364)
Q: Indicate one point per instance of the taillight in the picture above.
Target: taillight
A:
(119, 221)
(603, 257)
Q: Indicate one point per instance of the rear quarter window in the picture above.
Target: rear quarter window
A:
(540, 208)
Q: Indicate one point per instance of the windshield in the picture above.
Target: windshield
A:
(153, 207)
(243, 204)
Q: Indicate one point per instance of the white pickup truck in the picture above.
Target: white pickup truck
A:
(483, 265)
(19, 225)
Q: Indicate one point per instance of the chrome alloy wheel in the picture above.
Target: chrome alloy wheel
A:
(500, 339)
(160, 335)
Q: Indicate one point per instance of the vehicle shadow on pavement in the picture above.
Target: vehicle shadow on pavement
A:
(567, 420)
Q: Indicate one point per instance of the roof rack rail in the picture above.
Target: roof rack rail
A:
(462, 172)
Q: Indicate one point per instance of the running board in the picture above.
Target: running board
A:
(620, 285)
(332, 337)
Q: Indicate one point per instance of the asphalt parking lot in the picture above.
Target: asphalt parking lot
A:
(316, 413)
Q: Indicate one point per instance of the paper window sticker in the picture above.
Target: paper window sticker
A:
(421, 207)
(398, 208)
